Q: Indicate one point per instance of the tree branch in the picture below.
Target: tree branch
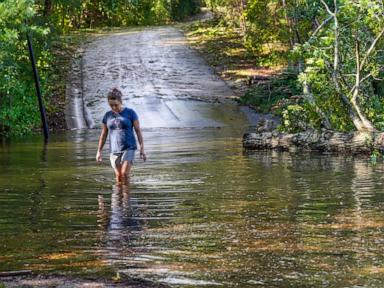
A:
(327, 8)
(371, 48)
(325, 22)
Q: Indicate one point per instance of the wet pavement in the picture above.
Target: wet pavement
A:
(158, 74)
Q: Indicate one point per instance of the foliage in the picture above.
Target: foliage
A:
(17, 98)
(68, 15)
(46, 21)
(274, 94)
(182, 8)
(336, 46)
(339, 56)
(295, 119)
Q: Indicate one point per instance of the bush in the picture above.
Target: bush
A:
(294, 119)
(274, 94)
(18, 113)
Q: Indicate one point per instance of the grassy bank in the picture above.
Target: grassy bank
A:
(259, 81)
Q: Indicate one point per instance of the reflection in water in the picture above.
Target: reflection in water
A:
(44, 152)
(120, 223)
(36, 202)
(126, 214)
(201, 212)
(36, 196)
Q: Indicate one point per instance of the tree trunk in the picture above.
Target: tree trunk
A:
(295, 24)
(15, 273)
(324, 141)
(243, 23)
(360, 122)
(309, 96)
(367, 125)
(364, 123)
(47, 8)
(289, 24)
(62, 17)
(311, 100)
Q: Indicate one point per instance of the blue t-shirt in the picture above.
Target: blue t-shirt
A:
(120, 127)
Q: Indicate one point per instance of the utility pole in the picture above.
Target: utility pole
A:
(38, 91)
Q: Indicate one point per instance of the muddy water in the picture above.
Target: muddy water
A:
(199, 212)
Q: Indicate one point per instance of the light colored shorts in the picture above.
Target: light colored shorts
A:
(117, 159)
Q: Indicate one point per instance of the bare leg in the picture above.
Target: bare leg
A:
(118, 174)
(125, 170)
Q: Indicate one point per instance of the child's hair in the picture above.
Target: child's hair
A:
(115, 94)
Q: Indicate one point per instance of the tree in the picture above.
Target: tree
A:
(344, 56)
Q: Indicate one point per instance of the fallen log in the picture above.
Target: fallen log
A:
(15, 273)
(313, 140)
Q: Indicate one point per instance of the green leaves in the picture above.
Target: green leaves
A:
(18, 113)
(358, 57)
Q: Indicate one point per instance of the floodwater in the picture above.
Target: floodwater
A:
(200, 212)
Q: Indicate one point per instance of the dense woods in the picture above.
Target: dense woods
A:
(332, 52)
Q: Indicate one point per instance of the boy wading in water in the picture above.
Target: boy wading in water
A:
(119, 123)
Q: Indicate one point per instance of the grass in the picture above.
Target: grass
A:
(274, 94)
(224, 49)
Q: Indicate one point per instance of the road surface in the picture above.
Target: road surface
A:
(165, 81)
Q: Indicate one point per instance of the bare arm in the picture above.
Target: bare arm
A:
(102, 139)
(136, 125)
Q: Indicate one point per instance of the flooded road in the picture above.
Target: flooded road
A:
(158, 74)
(201, 211)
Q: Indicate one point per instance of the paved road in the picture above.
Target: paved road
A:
(163, 79)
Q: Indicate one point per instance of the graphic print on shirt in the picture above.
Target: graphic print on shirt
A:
(117, 123)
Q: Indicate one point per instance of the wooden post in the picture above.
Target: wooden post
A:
(38, 91)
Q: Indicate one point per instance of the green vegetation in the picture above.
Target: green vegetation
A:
(333, 48)
(17, 107)
(273, 94)
(56, 27)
